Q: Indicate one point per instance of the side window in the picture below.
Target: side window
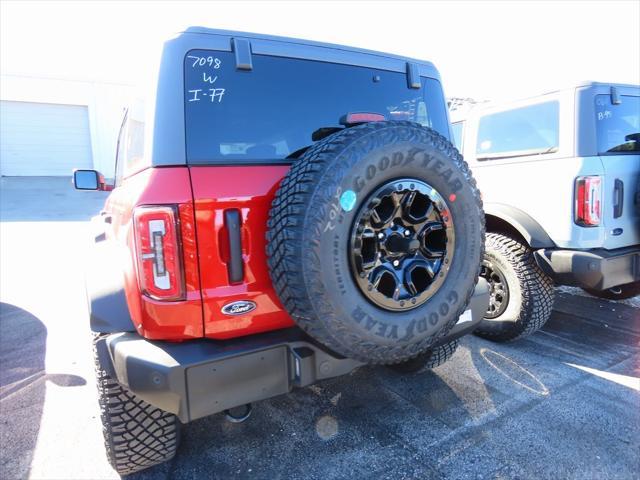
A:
(523, 131)
(456, 130)
(134, 145)
(120, 151)
(130, 152)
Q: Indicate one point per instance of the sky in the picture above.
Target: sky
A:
(485, 50)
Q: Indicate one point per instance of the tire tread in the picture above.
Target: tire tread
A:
(136, 435)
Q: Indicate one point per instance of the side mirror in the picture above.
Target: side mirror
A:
(89, 180)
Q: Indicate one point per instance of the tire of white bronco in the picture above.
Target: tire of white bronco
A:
(310, 230)
(530, 291)
(136, 435)
(431, 359)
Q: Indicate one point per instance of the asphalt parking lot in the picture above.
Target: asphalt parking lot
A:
(564, 403)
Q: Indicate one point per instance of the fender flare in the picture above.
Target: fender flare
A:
(526, 226)
(104, 283)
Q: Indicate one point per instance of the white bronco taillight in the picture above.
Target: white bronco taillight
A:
(588, 203)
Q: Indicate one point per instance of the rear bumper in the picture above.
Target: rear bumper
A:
(598, 269)
(202, 377)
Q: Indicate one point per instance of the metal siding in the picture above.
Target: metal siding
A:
(42, 139)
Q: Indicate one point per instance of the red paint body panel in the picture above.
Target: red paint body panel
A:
(250, 190)
(158, 186)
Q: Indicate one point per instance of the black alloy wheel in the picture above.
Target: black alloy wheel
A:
(402, 242)
(498, 289)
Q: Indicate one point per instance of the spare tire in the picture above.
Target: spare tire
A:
(375, 240)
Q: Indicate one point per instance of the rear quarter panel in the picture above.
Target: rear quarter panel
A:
(154, 186)
(541, 186)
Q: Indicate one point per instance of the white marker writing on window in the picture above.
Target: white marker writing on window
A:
(216, 93)
(209, 78)
(195, 93)
(202, 61)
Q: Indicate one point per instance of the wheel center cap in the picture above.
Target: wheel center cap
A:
(397, 244)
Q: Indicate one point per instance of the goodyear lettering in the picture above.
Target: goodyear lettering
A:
(382, 328)
(452, 296)
(385, 330)
(369, 323)
(409, 334)
(393, 333)
(398, 158)
(358, 315)
(422, 325)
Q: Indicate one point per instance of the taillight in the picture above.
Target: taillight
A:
(588, 201)
(160, 272)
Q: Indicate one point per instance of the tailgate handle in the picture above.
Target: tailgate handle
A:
(618, 198)
(235, 267)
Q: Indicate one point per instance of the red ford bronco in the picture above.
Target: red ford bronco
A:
(283, 212)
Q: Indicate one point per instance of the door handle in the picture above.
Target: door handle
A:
(235, 267)
(618, 198)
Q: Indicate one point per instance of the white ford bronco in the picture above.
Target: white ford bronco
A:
(560, 179)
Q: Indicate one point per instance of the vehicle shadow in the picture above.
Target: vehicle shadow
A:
(371, 423)
(23, 378)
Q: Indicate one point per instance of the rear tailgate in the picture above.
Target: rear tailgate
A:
(617, 117)
(231, 208)
(621, 209)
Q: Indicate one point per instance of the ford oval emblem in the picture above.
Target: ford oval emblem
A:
(239, 308)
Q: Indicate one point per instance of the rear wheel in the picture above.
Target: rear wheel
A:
(521, 295)
(136, 434)
(430, 359)
(622, 292)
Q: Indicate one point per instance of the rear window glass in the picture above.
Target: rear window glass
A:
(618, 126)
(271, 112)
(523, 131)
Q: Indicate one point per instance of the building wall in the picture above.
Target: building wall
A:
(105, 102)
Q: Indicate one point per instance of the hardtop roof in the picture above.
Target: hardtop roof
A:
(298, 41)
(462, 114)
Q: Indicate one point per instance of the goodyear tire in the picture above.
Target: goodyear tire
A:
(136, 434)
(521, 294)
(375, 240)
(432, 358)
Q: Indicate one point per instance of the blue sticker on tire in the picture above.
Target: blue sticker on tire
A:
(348, 200)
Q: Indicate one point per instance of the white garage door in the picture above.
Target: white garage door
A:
(43, 138)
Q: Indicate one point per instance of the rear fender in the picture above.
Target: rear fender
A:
(108, 310)
(530, 230)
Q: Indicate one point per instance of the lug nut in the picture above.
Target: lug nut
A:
(396, 263)
(381, 235)
(407, 233)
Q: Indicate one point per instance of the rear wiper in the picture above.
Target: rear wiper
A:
(323, 132)
(317, 135)
(298, 153)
